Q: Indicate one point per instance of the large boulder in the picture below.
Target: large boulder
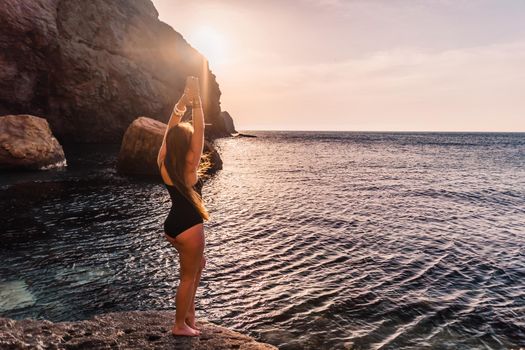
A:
(90, 67)
(228, 122)
(120, 330)
(140, 147)
(26, 142)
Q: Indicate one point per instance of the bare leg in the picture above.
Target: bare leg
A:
(190, 245)
(190, 316)
(184, 291)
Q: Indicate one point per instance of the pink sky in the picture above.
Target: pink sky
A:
(434, 65)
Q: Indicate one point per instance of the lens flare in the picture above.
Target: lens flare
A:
(211, 43)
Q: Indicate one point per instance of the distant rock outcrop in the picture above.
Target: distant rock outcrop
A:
(228, 122)
(26, 142)
(141, 144)
(91, 67)
(120, 330)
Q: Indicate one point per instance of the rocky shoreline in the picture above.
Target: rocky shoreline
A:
(26, 142)
(84, 72)
(120, 330)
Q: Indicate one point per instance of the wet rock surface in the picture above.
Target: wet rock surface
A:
(120, 330)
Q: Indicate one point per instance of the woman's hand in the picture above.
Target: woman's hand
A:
(191, 93)
(192, 90)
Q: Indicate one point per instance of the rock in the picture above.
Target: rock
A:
(26, 142)
(151, 330)
(244, 135)
(141, 144)
(215, 158)
(140, 147)
(91, 67)
(228, 122)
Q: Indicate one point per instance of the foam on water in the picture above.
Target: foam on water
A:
(59, 164)
(15, 295)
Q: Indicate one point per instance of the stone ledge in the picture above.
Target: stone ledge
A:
(120, 330)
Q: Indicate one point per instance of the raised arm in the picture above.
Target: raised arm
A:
(175, 118)
(197, 139)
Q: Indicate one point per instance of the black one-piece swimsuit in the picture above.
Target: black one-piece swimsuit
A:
(183, 214)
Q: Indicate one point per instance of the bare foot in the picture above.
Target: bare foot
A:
(190, 321)
(185, 330)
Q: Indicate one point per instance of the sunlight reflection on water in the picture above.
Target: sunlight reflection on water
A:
(316, 241)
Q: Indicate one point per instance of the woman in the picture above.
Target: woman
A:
(179, 161)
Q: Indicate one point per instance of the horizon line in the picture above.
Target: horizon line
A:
(392, 131)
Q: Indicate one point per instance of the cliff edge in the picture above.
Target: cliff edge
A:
(120, 330)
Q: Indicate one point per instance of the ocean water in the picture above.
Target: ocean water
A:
(317, 240)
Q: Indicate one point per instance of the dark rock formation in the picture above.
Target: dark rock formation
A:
(141, 144)
(214, 157)
(228, 122)
(26, 142)
(120, 330)
(91, 67)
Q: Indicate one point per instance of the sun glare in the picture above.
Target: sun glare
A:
(210, 43)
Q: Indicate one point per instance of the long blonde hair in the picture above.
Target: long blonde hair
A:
(177, 146)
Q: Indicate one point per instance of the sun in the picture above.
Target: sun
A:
(211, 43)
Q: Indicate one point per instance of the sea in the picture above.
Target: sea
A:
(316, 240)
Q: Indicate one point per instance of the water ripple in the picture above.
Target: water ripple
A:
(317, 241)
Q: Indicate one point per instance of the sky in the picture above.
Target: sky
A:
(363, 65)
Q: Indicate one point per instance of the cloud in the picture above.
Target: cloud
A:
(405, 89)
(405, 66)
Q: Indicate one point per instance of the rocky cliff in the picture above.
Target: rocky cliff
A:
(91, 67)
(228, 122)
